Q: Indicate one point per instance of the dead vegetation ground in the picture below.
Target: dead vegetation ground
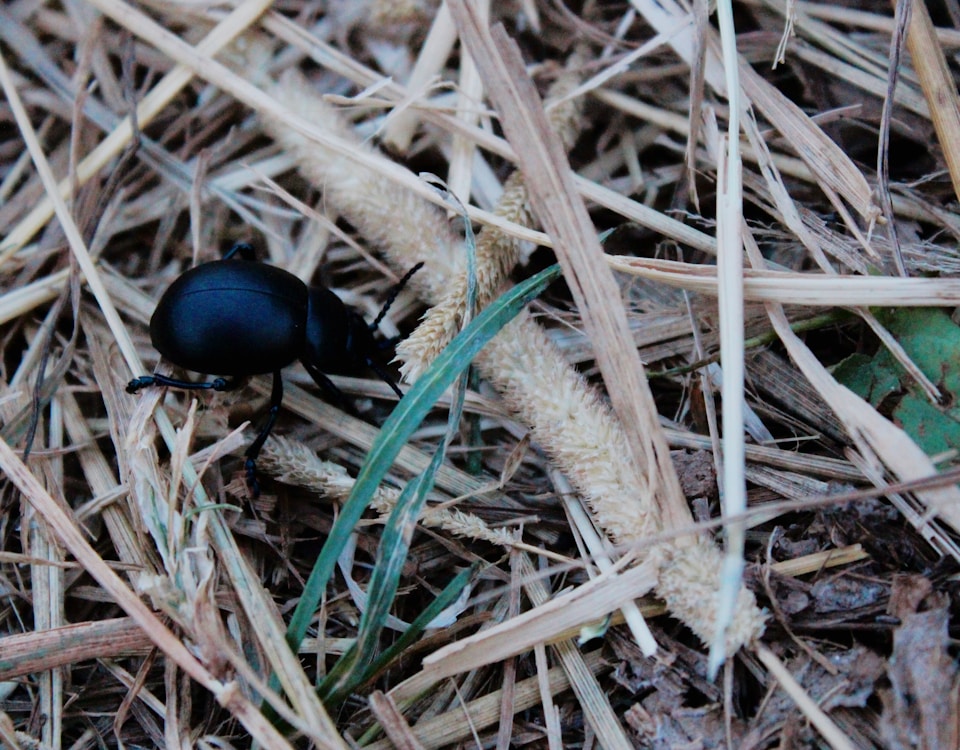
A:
(784, 300)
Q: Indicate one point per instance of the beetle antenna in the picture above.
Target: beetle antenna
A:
(385, 377)
(391, 298)
(243, 249)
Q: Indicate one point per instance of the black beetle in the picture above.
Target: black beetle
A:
(238, 317)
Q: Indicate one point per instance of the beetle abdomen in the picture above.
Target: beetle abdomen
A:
(231, 317)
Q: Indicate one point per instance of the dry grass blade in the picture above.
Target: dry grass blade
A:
(832, 167)
(552, 194)
(800, 288)
(393, 723)
(72, 539)
(26, 653)
(147, 595)
(830, 731)
(542, 162)
(938, 86)
(542, 625)
(597, 708)
(450, 727)
(77, 244)
(147, 109)
(730, 226)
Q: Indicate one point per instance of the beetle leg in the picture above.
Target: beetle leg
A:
(389, 343)
(145, 381)
(384, 376)
(250, 465)
(330, 391)
(225, 384)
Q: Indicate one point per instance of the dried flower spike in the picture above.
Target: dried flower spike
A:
(566, 416)
(497, 253)
(293, 463)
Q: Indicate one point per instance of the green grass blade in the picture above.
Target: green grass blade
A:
(406, 417)
(394, 546)
(446, 597)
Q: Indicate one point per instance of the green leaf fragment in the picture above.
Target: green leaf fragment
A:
(932, 341)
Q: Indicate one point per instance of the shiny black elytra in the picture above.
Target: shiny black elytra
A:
(237, 317)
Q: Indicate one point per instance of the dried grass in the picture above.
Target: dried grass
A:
(148, 596)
